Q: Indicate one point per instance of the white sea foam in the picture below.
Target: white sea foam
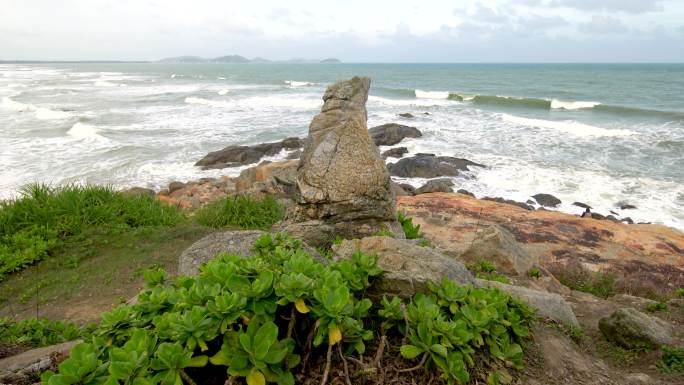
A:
(223, 91)
(561, 105)
(409, 102)
(86, 132)
(220, 78)
(106, 83)
(420, 94)
(294, 84)
(41, 113)
(208, 102)
(567, 126)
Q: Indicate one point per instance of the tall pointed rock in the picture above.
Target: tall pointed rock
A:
(342, 183)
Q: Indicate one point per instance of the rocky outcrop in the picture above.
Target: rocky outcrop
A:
(647, 257)
(343, 187)
(408, 267)
(509, 202)
(546, 200)
(430, 166)
(498, 246)
(392, 133)
(233, 156)
(397, 152)
(548, 305)
(275, 178)
(436, 185)
(633, 329)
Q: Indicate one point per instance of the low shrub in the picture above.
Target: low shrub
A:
(672, 360)
(534, 272)
(41, 332)
(484, 269)
(263, 319)
(42, 218)
(654, 307)
(576, 277)
(242, 211)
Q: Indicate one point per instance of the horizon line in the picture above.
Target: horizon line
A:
(306, 61)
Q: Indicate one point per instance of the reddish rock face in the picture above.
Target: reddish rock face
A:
(638, 254)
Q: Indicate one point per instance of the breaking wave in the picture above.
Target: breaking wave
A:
(86, 132)
(41, 113)
(567, 126)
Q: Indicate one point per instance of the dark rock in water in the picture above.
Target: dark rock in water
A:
(530, 202)
(430, 166)
(407, 115)
(598, 216)
(625, 206)
(343, 187)
(294, 155)
(627, 220)
(395, 152)
(465, 192)
(614, 213)
(612, 218)
(582, 205)
(407, 187)
(547, 200)
(233, 156)
(173, 186)
(426, 113)
(436, 185)
(510, 202)
(392, 133)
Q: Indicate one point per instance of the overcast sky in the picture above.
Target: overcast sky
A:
(351, 30)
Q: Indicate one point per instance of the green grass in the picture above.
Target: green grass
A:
(41, 332)
(654, 307)
(411, 231)
(617, 355)
(672, 360)
(241, 211)
(484, 269)
(43, 218)
(602, 285)
(534, 272)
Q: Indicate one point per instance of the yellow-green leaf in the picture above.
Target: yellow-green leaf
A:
(301, 307)
(255, 377)
(334, 335)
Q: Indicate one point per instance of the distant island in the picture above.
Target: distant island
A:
(242, 59)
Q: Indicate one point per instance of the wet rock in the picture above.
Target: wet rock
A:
(343, 187)
(548, 305)
(633, 329)
(547, 200)
(233, 156)
(408, 267)
(627, 220)
(509, 202)
(436, 185)
(582, 205)
(465, 192)
(400, 190)
(294, 155)
(430, 166)
(392, 133)
(406, 115)
(622, 205)
(397, 152)
(498, 246)
(174, 186)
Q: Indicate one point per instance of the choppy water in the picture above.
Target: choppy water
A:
(599, 134)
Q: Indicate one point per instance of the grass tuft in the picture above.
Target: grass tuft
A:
(241, 211)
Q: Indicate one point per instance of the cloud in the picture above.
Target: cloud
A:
(628, 6)
(604, 25)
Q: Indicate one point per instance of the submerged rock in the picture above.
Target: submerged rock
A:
(547, 200)
(343, 187)
(392, 133)
(397, 152)
(406, 115)
(233, 156)
(408, 267)
(430, 166)
(633, 329)
(436, 185)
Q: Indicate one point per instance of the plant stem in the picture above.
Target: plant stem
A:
(344, 361)
(420, 364)
(187, 378)
(291, 324)
(328, 359)
(378, 354)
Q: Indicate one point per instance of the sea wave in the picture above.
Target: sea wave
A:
(106, 83)
(207, 102)
(420, 94)
(86, 132)
(567, 126)
(561, 105)
(293, 83)
(41, 113)
(223, 91)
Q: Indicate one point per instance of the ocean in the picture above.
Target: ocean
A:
(602, 134)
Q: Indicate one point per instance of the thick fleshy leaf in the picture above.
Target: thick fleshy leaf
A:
(410, 351)
(255, 377)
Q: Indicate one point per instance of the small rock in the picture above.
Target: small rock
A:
(430, 166)
(598, 216)
(392, 133)
(397, 152)
(582, 205)
(631, 329)
(175, 186)
(408, 267)
(627, 220)
(548, 305)
(436, 185)
(138, 191)
(465, 192)
(625, 206)
(547, 200)
(406, 115)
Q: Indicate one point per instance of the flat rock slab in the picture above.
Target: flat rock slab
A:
(548, 305)
(631, 328)
(27, 358)
(206, 249)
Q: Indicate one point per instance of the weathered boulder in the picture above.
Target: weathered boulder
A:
(408, 267)
(632, 301)
(392, 133)
(498, 246)
(436, 185)
(138, 191)
(430, 166)
(547, 200)
(35, 361)
(343, 187)
(397, 152)
(401, 190)
(233, 156)
(633, 329)
(548, 305)
(276, 178)
(231, 242)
